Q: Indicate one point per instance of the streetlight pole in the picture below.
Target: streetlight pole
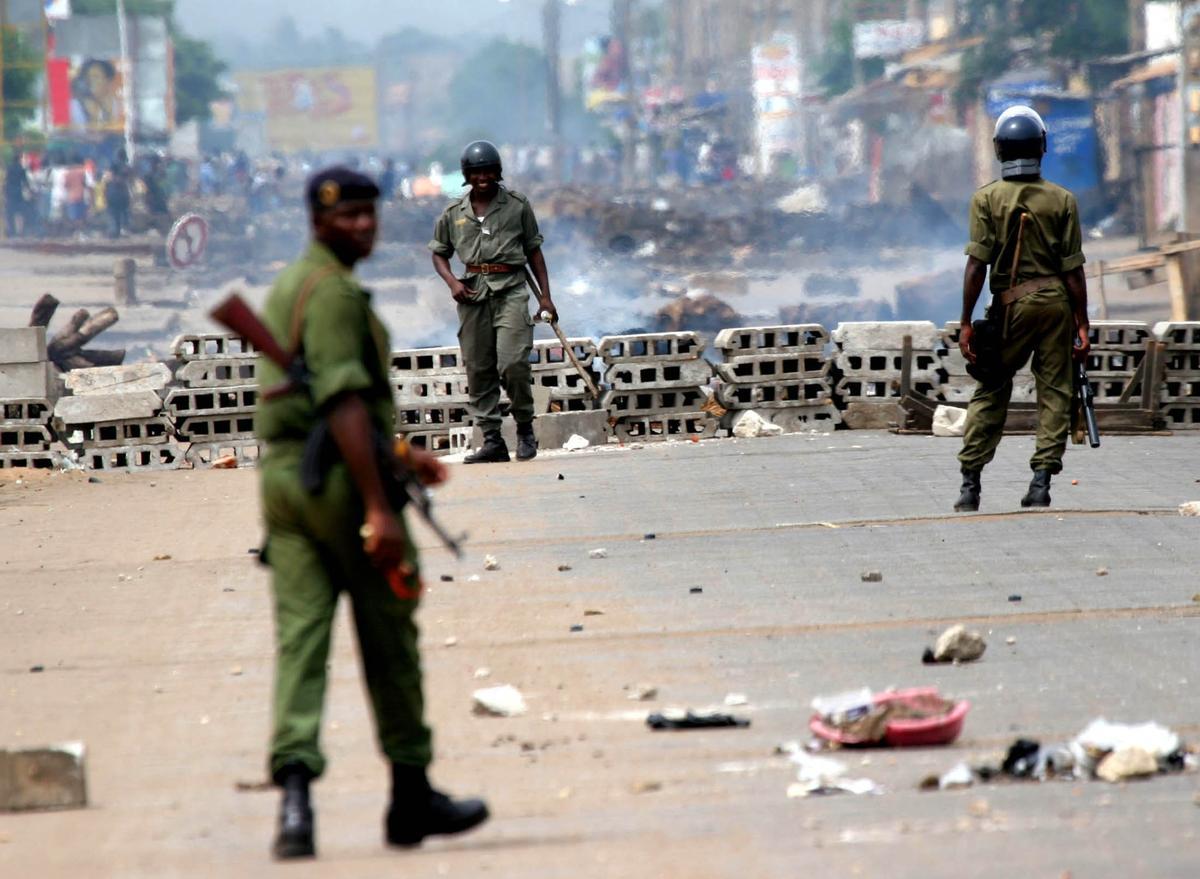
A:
(552, 47)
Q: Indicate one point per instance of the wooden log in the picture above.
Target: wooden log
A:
(103, 356)
(43, 311)
(75, 337)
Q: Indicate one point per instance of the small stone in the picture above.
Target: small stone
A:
(254, 550)
(696, 590)
(229, 589)
(1196, 597)
(1127, 762)
(474, 578)
(646, 787)
(446, 578)
(204, 721)
(236, 671)
(956, 644)
(564, 568)
(650, 537)
(225, 462)
(564, 793)
(1014, 598)
(451, 641)
(872, 576)
(34, 669)
(733, 700)
(491, 563)
(561, 477)
(593, 612)
(482, 672)
(643, 693)
(576, 628)
(1074, 481)
(94, 480)
(1191, 508)
(1101, 572)
(598, 554)
(162, 558)
(1010, 640)
(502, 701)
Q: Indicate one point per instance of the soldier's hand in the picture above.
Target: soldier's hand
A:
(428, 469)
(545, 305)
(964, 342)
(1083, 344)
(460, 292)
(384, 539)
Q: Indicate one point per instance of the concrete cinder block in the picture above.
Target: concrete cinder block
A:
(651, 428)
(1180, 335)
(432, 389)
(96, 408)
(651, 347)
(1182, 416)
(118, 379)
(773, 367)
(887, 335)
(22, 344)
(554, 429)
(549, 354)
(43, 778)
(182, 402)
(651, 401)
(216, 428)
(148, 456)
(1181, 390)
(25, 412)
(428, 361)
(25, 438)
(1119, 334)
(873, 415)
(24, 381)
(775, 395)
(119, 433)
(430, 417)
(50, 460)
(198, 346)
(887, 363)
(657, 375)
(202, 455)
(783, 339)
(799, 419)
(212, 372)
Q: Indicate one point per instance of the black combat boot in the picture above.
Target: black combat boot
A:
(968, 500)
(526, 442)
(1039, 490)
(493, 451)
(418, 811)
(295, 839)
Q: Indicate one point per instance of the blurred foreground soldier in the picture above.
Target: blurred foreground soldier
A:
(495, 233)
(346, 535)
(1026, 231)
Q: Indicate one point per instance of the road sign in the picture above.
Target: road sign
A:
(187, 241)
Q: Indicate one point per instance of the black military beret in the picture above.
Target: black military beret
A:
(335, 186)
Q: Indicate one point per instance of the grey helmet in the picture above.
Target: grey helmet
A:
(1020, 141)
(480, 154)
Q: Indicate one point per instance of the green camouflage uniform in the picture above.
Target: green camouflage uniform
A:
(1040, 324)
(313, 545)
(495, 327)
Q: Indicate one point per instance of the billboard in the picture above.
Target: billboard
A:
(87, 94)
(316, 108)
(778, 75)
(887, 39)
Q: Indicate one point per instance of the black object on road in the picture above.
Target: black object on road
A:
(692, 720)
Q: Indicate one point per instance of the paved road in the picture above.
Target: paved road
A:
(166, 675)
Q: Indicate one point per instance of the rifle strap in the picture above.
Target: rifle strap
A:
(296, 337)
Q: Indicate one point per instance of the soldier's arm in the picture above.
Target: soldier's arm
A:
(973, 277)
(1073, 277)
(532, 240)
(443, 248)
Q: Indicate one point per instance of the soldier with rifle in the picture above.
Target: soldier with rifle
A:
(1025, 230)
(495, 233)
(332, 506)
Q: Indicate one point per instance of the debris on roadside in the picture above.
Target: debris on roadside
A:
(816, 775)
(898, 718)
(1191, 508)
(956, 645)
(749, 424)
(562, 568)
(598, 553)
(575, 443)
(491, 563)
(501, 701)
(674, 719)
(872, 576)
(734, 700)
(643, 693)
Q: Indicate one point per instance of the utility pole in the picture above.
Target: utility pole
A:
(126, 79)
(551, 43)
(621, 17)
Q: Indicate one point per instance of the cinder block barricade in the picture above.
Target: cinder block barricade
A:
(431, 396)
(28, 386)
(868, 364)
(212, 408)
(781, 372)
(554, 373)
(1181, 386)
(1118, 348)
(657, 383)
(958, 387)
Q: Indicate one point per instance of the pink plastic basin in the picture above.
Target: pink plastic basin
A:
(907, 732)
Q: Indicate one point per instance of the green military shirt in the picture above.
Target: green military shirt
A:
(507, 234)
(1052, 244)
(344, 345)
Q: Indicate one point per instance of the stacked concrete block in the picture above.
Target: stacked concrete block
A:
(1181, 386)
(213, 408)
(657, 385)
(957, 385)
(431, 392)
(26, 438)
(118, 431)
(1118, 348)
(868, 366)
(554, 373)
(29, 385)
(782, 372)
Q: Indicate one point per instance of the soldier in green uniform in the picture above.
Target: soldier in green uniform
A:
(346, 536)
(1026, 231)
(495, 233)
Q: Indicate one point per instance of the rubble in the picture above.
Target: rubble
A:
(1125, 763)
(36, 779)
(749, 424)
(956, 644)
(501, 701)
(1191, 508)
(491, 563)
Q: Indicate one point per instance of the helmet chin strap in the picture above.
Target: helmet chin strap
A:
(1020, 168)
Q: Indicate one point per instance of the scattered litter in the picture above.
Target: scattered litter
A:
(447, 578)
(646, 787)
(502, 701)
(956, 644)
(649, 537)
(1074, 481)
(1191, 508)
(696, 590)
(1125, 763)
(898, 718)
(733, 700)
(562, 568)
(96, 480)
(643, 693)
(482, 672)
(598, 554)
(474, 578)
(491, 563)
(246, 787)
(872, 576)
(236, 671)
(681, 719)
(824, 775)
(1101, 572)
(1014, 598)
(593, 612)
(575, 443)
(949, 421)
(958, 777)
(34, 669)
(576, 627)
(225, 462)
(561, 477)
(162, 558)
(451, 641)
(749, 424)
(1010, 640)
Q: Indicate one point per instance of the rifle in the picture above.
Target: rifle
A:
(320, 450)
(1087, 400)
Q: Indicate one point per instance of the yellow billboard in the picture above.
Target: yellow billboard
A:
(313, 108)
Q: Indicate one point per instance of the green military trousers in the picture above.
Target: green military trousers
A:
(496, 335)
(315, 553)
(1040, 324)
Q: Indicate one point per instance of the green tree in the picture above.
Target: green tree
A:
(835, 68)
(499, 93)
(23, 66)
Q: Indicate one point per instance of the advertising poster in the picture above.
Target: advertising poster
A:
(317, 108)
